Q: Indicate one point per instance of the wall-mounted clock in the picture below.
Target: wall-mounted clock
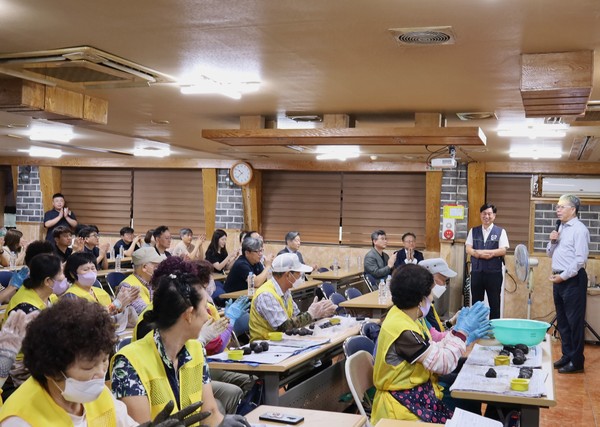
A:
(241, 173)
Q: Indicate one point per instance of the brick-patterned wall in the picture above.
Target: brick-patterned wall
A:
(454, 191)
(230, 210)
(29, 197)
(545, 222)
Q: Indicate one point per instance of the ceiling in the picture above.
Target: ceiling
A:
(311, 57)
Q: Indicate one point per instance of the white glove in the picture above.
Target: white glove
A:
(320, 309)
(211, 329)
(132, 316)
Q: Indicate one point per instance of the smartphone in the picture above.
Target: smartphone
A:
(278, 417)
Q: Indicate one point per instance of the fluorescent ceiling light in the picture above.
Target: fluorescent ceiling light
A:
(47, 133)
(151, 152)
(532, 132)
(337, 152)
(536, 153)
(43, 152)
(206, 85)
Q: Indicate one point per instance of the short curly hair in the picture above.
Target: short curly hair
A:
(71, 329)
(75, 261)
(204, 270)
(409, 285)
(172, 265)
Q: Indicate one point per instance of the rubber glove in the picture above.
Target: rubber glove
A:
(474, 318)
(234, 310)
(211, 329)
(320, 309)
(178, 419)
(234, 421)
(19, 277)
(482, 332)
(11, 337)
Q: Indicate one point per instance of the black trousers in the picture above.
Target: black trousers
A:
(483, 282)
(570, 299)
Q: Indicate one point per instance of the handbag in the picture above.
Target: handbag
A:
(253, 399)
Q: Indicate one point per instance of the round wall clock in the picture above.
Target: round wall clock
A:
(241, 173)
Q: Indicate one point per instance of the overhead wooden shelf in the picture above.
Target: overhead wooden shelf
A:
(348, 136)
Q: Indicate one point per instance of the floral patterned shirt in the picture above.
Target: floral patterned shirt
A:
(126, 381)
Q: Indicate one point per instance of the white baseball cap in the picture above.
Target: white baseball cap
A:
(438, 265)
(289, 262)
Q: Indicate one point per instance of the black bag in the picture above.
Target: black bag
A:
(253, 399)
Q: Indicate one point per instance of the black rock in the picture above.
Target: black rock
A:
(258, 349)
(289, 332)
(523, 348)
(491, 373)
(247, 351)
(264, 345)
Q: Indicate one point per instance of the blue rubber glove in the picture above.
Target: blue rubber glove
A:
(19, 277)
(482, 332)
(233, 310)
(473, 319)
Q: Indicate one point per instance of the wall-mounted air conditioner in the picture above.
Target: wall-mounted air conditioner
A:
(581, 187)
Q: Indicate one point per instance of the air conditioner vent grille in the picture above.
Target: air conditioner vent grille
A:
(423, 36)
(81, 73)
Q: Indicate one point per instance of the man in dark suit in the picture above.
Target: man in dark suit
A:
(408, 255)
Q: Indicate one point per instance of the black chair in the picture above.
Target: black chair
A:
(352, 293)
(370, 330)
(337, 299)
(322, 269)
(356, 344)
(114, 279)
(371, 282)
(241, 329)
(327, 288)
(5, 276)
(122, 343)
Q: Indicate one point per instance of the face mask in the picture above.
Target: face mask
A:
(82, 391)
(298, 282)
(438, 290)
(87, 279)
(425, 307)
(59, 287)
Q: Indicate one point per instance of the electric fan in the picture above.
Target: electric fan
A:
(524, 271)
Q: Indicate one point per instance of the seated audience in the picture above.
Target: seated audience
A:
(129, 242)
(273, 308)
(145, 261)
(248, 262)
(14, 244)
(407, 361)
(169, 363)
(149, 238)
(66, 350)
(91, 244)
(408, 254)
(162, 240)
(62, 242)
(216, 253)
(293, 242)
(186, 249)
(377, 263)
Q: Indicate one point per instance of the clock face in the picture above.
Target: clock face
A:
(241, 173)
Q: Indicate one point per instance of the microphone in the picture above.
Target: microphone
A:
(556, 229)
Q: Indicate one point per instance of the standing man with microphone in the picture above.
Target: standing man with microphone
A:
(569, 249)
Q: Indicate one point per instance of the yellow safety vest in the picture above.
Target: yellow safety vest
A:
(404, 376)
(213, 311)
(259, 326)
(45, 412)
(143, 356)
(102, 296)
(28, 296)
(135, 282)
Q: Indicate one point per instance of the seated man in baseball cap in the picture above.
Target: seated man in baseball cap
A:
(144, 260)
(441, 273)
(273, 308)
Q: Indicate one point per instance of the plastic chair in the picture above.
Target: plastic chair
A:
(114, 279)
(322, 269)
(337, 299)
(241, 328)
(352, 293)
(371, 282)
(123, 343)
(357, 343)
(327, 288)
(5, 276)
(370, 330)
(359, 375)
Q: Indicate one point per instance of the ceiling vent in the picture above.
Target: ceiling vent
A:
(482, 115)
(423, 36)
(555, 120)
(82, 67)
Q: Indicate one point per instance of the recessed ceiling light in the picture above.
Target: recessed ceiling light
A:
(43, 152)
(311, 118)
(151, 151)
(160, 122)
(337, 152)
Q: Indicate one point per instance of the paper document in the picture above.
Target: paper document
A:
(463, 418)
(472, 378)
(484, 355)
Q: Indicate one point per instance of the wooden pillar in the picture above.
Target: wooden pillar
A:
(50, 183)
(252, 197)
(476, 191)
(209, 190)
(433, 190)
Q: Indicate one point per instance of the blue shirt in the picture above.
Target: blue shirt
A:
(570, 252)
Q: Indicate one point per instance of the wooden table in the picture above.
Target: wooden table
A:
(386, 422)
(124, 260)
(529, 406)
(343, 279)
(368, 304)
(311, 417)
(219, 277)
(104, 273)
(329, 382)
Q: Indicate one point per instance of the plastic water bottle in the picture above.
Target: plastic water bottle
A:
(121, 251)
(118, 262)
(250, 281)
(335, 266)
(347, 263)
(388, 294)
(381, 294)
(12, 260)
(358, 262)
(111, 253)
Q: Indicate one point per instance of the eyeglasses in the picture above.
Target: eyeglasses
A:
(94, 235)
(260, 251)
(564, 206)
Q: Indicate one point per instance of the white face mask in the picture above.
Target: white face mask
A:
(82, 391)
(298, 282)
(438, 290)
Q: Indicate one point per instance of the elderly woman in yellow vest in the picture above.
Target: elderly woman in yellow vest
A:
(66, 350)
(273, 308)
(169, 363)
(407, 361)
(145, 261)
(80, 270)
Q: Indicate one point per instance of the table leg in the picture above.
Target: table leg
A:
(271, 388)
(530, 416)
